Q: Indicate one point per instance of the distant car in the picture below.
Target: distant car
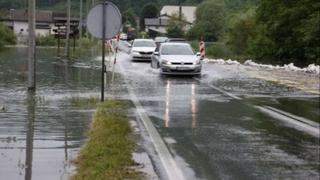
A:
(123, 36)
(160, 40)
(177, 58)
(142, 49)
(176, 40)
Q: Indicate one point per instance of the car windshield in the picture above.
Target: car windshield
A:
(144, 44)
(161, 39)
(177, 50)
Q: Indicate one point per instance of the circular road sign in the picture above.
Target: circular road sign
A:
(112, 20)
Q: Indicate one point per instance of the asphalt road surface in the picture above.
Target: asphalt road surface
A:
(227, 125)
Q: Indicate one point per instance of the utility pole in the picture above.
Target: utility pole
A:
(68, 29)
(80, 26)
(32, 46)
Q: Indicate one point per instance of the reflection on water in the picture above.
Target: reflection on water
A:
(31, 103)
(173, 102)
(194, 106)
(40, 134)
(167, 108)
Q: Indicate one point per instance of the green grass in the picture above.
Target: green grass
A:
(108, 152)
(85, 102)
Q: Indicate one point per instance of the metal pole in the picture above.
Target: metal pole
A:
(58, 41)
(32, 46)
(68, 29)
(103, 70)
(80, 27)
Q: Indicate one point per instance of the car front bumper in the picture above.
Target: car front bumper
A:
(180, 69)
(141, 57)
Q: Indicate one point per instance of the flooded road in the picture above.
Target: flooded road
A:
(215, 129)
(40, 136)
(214, 126)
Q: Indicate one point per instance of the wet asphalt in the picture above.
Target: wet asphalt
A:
(215, 136)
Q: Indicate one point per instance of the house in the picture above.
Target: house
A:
(189, 12)
(160, 24)
(17, 20)
(47, 23)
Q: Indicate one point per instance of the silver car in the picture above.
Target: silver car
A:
(142, 49)
(176, 58)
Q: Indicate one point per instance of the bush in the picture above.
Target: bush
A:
(46, 40)
(6, 36)
(218, 50)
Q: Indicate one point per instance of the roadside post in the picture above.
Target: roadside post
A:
(115, 56)
(202, 49)
(104, 22)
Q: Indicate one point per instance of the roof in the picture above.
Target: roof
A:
(175, 43)
(41, 15)
(22, 15)
(143, 40)
(189, 12)
(156, 21)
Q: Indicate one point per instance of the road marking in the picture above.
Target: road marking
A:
(313, 131)
(299, 123)
(298, 118)
(172, 169)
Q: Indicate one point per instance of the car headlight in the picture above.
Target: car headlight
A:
(166, 62)
(197, 62)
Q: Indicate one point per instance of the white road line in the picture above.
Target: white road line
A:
(301, 119)
(172, 169)
(313, 131)
(299, 123)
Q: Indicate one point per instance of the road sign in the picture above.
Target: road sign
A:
(112, 20)
(104, 22)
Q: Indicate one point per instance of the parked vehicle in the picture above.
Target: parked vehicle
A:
(176, 40)
(160, 40)
(176, 58)
(142, 49)
(123, 36)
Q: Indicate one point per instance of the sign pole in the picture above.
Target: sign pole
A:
(103, 69)
(32, 46)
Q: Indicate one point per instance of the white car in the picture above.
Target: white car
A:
(142, 49)
(176, 58)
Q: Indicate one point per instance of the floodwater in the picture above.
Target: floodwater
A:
(214, 136)
(40, 135)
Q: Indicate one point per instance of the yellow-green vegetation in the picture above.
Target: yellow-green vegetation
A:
(108, 152)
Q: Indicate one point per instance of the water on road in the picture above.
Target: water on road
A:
(39, 137)
(215, 136)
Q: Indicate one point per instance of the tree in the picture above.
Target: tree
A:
(293, 29)
(241, 30)
(210, 21)
(129, 19)
(150, 10)
(176, 26)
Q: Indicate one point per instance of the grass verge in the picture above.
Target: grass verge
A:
(108, 152)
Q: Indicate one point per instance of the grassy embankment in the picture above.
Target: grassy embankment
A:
(108, 151)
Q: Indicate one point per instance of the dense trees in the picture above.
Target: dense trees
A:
(210, 21)
(290, 30)
(129, 19)
(273, 31)
(149, 10)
